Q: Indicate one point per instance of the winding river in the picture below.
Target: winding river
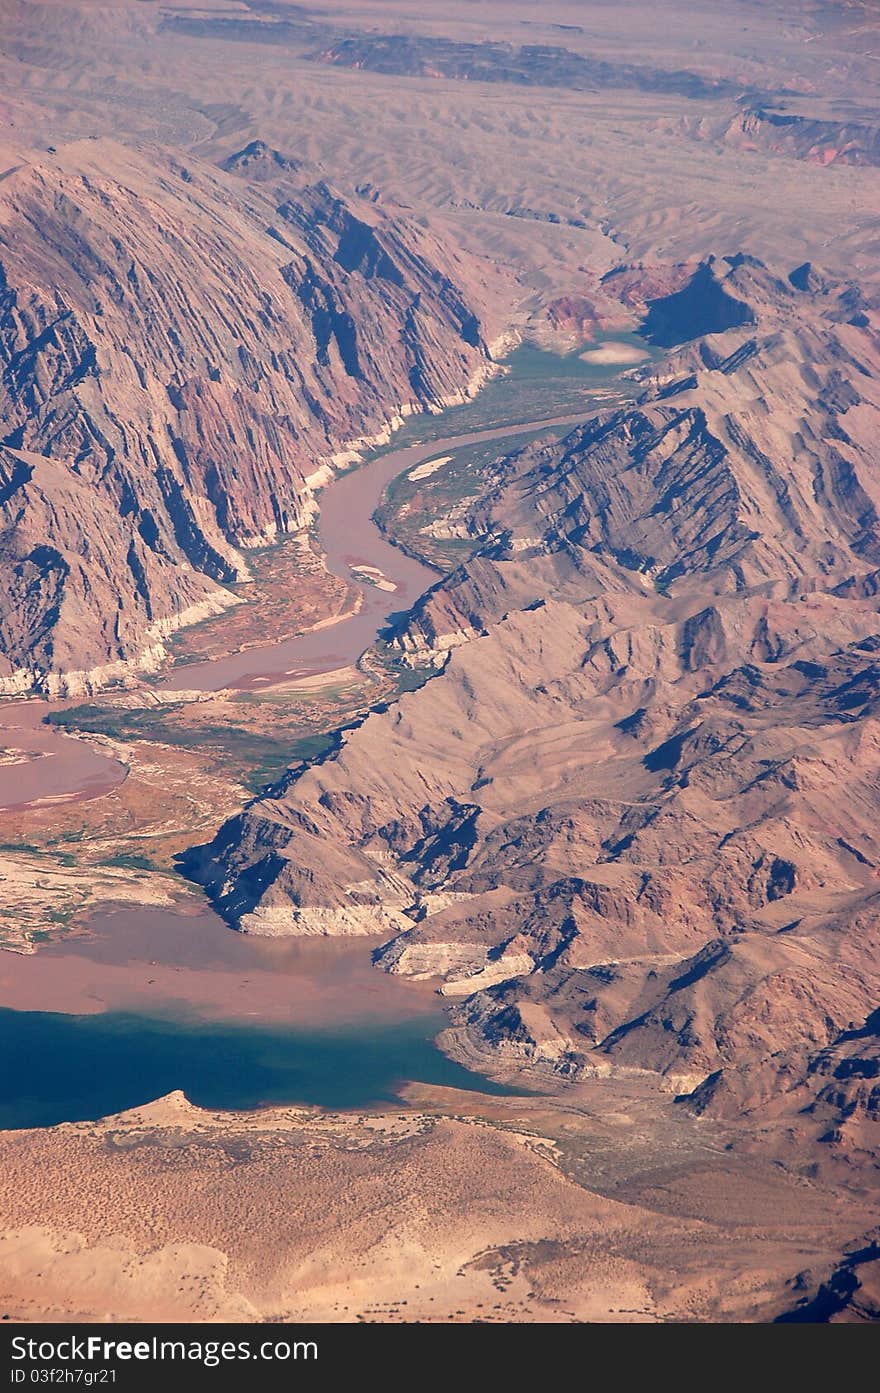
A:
(349, 538)
(53, 766)
(151, 999)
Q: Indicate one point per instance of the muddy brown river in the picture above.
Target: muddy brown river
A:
(141, 1001)
(349, 538)
(42, 764)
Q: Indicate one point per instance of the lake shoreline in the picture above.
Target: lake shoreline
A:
(180, 968)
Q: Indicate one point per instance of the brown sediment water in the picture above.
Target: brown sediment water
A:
(45, 765)
(142, 1002)
(155, 960)
(60, 766)
(149, 1001)
(349, 538)
(130, 967)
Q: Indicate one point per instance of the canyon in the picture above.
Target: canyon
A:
(611, 823)
(440, 523)
(159, 322)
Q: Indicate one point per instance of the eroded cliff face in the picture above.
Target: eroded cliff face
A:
(186, 348)
(805, 136)
(632, 823)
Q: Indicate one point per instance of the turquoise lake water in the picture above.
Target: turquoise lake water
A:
(63, 1068)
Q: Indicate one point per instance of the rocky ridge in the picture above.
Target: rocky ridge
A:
(184, 352)
(612, 826)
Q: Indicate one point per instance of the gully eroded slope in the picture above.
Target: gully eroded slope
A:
(182, 350)
(632, 823)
